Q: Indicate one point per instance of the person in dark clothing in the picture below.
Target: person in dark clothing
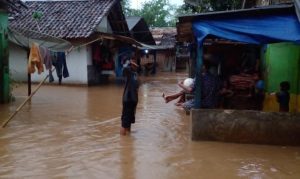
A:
(259, 95)
(283, 97)
(130, 96)
(210, 87)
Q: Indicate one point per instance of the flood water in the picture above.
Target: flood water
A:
(73, 132)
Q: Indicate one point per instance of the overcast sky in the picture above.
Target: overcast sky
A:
(138, 3)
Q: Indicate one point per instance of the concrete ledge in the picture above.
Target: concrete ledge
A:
(244, 126)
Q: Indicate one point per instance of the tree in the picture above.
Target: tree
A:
(126, 6)
(187, 9)
(157, 13)
(222, 5)
(214, 5)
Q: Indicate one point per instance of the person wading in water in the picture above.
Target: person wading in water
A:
(130, 96)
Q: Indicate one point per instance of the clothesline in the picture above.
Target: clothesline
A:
(40, 56)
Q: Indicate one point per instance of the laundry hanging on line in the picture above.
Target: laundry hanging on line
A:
(35, 61)
(40, 56)
(59, 62)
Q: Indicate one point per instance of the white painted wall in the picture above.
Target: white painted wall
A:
(77, 66)
(77, 61)
(17, 63)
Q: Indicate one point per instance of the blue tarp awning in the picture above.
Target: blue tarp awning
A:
(254, 30)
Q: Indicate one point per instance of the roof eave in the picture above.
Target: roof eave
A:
(241, 12)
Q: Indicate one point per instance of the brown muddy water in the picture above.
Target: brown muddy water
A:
(73, 132)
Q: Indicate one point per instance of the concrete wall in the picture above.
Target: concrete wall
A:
(246, 126)
(77, 62)
(18, 63)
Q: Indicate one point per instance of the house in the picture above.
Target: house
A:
(80, 28)
(139, 30)
(13, 7)
(260, 41)
(163, 53)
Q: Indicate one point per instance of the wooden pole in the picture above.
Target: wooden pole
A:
(22, 105)
(29, 83)
(199, 63)
(244, 3)
(28, 76)
(154, 63)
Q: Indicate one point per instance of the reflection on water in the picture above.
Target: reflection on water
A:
(74, 132)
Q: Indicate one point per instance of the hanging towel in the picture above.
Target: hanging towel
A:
(35, 60)
(46, 56)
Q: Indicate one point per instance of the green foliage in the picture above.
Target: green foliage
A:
(216, 5)
(126, 7)
(187, 9)
(222, 5)
(37, 15)
(160, 13)
(157, 13)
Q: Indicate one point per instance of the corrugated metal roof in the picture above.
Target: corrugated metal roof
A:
(241, 12)
(132, 21)
(139, 30)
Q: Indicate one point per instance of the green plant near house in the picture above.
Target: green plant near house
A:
(37, 16)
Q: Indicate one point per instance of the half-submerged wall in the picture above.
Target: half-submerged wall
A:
(243, 126)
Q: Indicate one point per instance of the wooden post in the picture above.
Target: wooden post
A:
(28, 76)
(244, 3)
(154, 63)
(198, 75)
(29, 83)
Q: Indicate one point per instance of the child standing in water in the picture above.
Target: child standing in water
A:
(283, 97)
(130, 96)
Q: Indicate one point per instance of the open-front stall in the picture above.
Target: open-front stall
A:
(249, 58)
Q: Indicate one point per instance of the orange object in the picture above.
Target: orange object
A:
(35, 60)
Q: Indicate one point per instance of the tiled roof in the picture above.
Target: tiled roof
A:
(63, 19)
(168, 40)
(13, 6)
(163, 34)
